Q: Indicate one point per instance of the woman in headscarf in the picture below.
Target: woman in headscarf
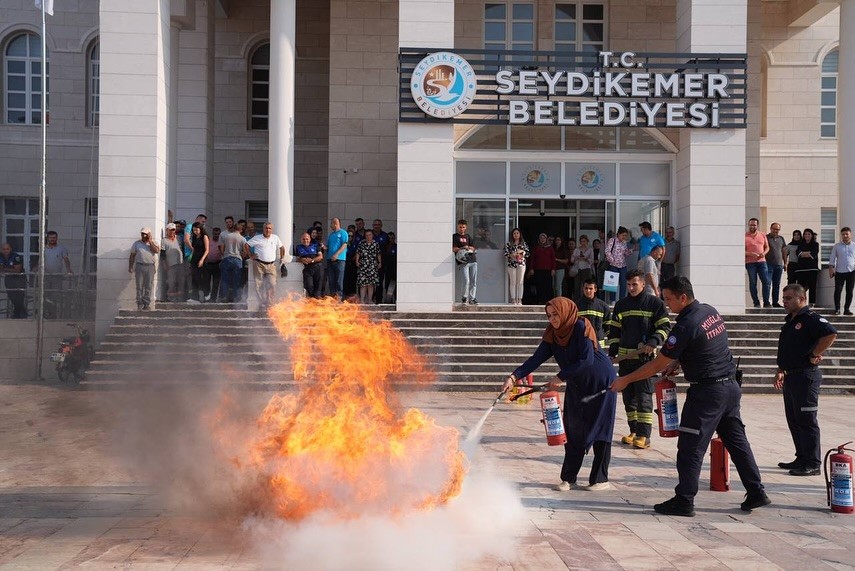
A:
(571, 340)
(793, 256)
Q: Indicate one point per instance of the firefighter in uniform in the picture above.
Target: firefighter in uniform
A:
(698, 344)
(804, 338)
(594, 309)
(639, 324)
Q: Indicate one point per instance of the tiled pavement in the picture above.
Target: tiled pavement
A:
(66, 501)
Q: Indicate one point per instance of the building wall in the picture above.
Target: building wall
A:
(72, 160)
(798, 169)
(363, 111)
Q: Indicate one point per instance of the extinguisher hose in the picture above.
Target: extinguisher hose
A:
(529, 391)
(825, 474)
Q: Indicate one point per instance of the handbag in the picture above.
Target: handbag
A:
(610, 281)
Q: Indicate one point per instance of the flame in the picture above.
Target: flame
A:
(342, 443)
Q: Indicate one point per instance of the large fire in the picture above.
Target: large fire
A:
(341, 444)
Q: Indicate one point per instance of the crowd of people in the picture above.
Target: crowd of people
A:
(358, 264)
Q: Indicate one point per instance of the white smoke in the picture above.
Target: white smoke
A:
(481, 521)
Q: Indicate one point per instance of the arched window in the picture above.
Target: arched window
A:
(259, 87)
(22, 69)
(828, 95)
(93, 85)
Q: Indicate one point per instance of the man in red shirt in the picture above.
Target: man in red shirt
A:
(756, 248)
(542, 267)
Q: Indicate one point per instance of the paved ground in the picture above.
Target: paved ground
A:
(68, 500)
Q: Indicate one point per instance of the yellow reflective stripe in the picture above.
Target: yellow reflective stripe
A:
(635, 313)
(625, 350)
(588, 312)
(630, 415)
(661, 332)
(602, 343)
(612, 324)
(645, 417)
(662, 321)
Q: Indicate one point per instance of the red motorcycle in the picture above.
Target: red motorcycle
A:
(73, 356)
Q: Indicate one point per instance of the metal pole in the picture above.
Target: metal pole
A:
(40, 330)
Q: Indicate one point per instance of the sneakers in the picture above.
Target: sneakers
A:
(564, 486)
(628, 439)
(805, 471)
(675, 506)
(847, 312)
(641, 442)
(790, 465)
(777, 305)
(463, 300)
(599, 486)
(767, 305)
(753, 501)
(473, 301)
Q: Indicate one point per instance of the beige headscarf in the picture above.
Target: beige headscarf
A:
(569, 315)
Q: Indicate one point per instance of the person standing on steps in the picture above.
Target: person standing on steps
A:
(464, 257)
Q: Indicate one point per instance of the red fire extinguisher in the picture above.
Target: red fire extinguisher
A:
(719, 466)
(550, 406)
(839, 486)
(666, 408)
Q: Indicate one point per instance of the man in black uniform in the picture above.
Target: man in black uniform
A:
(804, 337)
(594, 309)
(698, 344)
(639, 324)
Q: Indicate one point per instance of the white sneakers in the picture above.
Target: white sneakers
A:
(567, 486)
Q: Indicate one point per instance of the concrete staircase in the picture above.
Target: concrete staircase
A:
(472, 348)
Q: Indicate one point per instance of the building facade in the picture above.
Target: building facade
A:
(289, 110)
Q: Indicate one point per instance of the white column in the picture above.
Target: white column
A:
(711, 168)
(283, 24)
(133, 141)
(846, 115)
(425, 178)
(172, 169)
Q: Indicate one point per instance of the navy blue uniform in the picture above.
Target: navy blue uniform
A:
(699, 341)
(312, 275)
(586, 371)
(16, 284)
(802, 380)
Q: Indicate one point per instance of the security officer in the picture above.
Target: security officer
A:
(804, 337)
(639, 324)
(594, 309)
(698, 344)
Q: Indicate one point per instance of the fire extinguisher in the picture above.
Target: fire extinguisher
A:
(839, 486)
(521, 391)
(550, 406)
(666, 408)
(719, 466)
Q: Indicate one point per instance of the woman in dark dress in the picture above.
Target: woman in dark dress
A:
(198, 271)
(807, 268)
(368, 263)
(571, 340)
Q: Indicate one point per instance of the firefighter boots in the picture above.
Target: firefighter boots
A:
(628, 439)
(641, 442)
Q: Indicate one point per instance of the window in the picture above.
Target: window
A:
(259, 88)
(580, 26)
(93, 85)
(23, 86)
(256, 211)
(509, 26)
(91, 229)
(21, 228)
(827, 233)
(828, 96)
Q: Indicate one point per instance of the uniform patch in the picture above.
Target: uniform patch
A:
(823, 320)
(798, 326)
(671, 341)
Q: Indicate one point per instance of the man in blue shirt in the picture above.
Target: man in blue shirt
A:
(841, 267)
(309, 254)
(648, 240)
(336, 257)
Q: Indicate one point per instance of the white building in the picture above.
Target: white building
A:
(289, 110)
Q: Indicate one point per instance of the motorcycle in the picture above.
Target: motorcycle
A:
(73, 356)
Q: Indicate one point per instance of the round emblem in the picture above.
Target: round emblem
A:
(672, 340)
(589, 179)
(443, 85)
(798, 326)
(535, 179)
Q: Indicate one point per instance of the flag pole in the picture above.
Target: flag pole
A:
(40, 327)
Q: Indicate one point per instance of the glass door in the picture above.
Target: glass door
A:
(489, 230)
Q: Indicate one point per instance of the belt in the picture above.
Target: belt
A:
(711, 381)
(263, 262)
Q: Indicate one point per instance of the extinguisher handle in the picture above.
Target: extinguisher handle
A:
(528, 392)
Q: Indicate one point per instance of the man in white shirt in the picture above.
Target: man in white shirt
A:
(841, 267)
(264, 250)
(648, 266)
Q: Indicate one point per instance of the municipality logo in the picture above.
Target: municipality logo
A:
(443, 85)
